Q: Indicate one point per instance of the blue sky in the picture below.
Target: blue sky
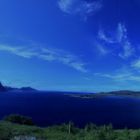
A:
(74, 45)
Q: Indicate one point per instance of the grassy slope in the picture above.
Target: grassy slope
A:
(9, 130)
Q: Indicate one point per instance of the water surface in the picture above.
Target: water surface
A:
(55, 108)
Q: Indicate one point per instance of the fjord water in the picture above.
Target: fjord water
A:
(49, 108)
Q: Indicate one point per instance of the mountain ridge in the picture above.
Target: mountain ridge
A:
(75, 94)
(10, 89)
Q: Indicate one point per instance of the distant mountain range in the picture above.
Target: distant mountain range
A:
(10, 89)
(127, 93)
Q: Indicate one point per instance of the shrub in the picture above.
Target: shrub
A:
(14, 118)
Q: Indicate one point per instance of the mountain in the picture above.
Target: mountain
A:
(2, 88)
(11, 89)
(27, 89)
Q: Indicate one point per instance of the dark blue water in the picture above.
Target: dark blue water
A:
(56, 108)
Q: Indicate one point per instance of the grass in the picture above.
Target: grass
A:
(67, 132)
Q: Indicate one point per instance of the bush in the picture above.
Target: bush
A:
(14, 118)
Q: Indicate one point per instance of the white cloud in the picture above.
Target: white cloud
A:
(121, 75)
(128, 50)
(20, 51)
(120, 39)
(136, 64)
(46, 54)
(104, 37)
(116, 76)
(102, 50)
(79, 7)
(66, 5)
(121, 33)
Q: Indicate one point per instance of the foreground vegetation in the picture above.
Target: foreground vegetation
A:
(9, 131)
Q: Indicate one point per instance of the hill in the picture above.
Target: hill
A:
(122, 93)
(11, 89)
(2, 88)
(11, 131)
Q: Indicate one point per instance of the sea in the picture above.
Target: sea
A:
(54, 108)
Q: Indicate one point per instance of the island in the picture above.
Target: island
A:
(121, 93)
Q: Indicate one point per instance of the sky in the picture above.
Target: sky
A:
(70, 45)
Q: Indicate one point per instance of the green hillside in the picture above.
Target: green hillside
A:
(12, 131)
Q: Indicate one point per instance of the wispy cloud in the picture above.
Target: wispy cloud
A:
(46, 54)
(102, 50)
(80, 7)
(121, 33)
(102, 36)
(117, 36)
(121, 75)
(136, 64)
(128, 50)
(122, 37)
(20, 51)
(119, 39)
